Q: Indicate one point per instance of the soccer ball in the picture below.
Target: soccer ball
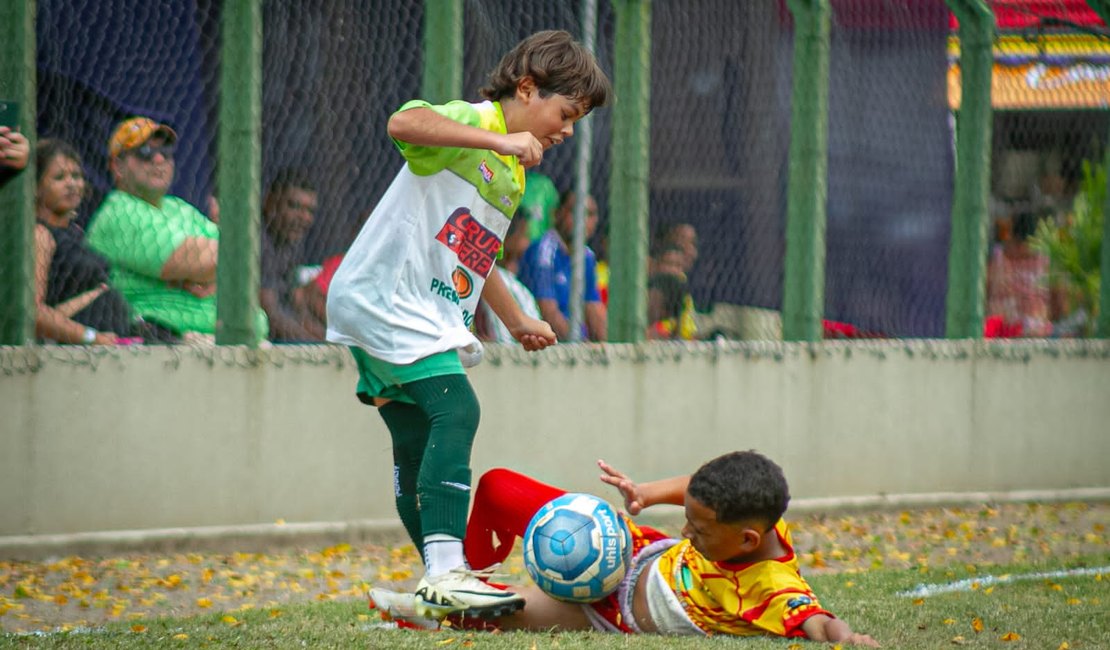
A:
(577, 548)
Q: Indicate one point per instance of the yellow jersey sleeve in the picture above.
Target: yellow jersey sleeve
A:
(768, 597)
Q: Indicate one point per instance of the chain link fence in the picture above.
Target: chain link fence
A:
(334, 71)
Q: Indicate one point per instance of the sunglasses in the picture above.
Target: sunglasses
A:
(147, 152)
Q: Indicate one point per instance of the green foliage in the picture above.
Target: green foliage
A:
(1074, 248)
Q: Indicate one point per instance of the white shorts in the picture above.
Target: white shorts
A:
(666, 610)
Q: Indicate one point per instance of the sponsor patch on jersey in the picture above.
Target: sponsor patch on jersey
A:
(798, 601)
(486, 172)
(506, 201)
(464, 284)
(475, 245)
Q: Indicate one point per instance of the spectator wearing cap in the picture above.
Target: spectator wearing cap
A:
(161, 249)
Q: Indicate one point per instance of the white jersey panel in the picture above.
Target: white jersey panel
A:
(409, 285)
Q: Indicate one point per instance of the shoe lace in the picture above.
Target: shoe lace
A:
(482, 574)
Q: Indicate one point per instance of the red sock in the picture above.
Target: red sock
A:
(504, 503)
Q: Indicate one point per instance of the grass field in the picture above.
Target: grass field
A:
(1011, 576)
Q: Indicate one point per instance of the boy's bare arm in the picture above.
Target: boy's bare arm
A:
(533, 334)
(424, 127)
(193, 261)
(638, 496)
(825, 628)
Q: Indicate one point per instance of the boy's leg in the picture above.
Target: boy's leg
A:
(443, 484)
(504, 503)
(545, 613)
(443, 487)
(408, 427)
(542, 613)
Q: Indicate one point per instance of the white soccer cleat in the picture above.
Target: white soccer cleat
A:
(461, 592)
(400, 608)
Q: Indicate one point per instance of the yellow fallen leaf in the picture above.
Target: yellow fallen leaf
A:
(977, 625)
(1011, 636)
(275, 613)
(949, 621)
(138, 629)
(181, 637)
(230, 620)
(1074, 601)
(1063, 646)
(204, 602)
(446, 641)
(918, 601)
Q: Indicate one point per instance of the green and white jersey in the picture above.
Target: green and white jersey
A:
(409, 285)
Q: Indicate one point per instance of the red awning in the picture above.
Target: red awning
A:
(1021, 14)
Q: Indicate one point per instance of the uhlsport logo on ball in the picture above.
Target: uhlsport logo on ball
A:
(577, 548)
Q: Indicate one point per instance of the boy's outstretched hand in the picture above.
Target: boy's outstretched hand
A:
(534, 334)
(630, 490)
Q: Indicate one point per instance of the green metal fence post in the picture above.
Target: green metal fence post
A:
(1102, 326)
(17, 83)
(967, 252)
(630, 171)
(807, 187)
(443, 51)
(240, 172)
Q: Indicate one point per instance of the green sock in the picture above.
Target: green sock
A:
(408, 427)
(453, 412)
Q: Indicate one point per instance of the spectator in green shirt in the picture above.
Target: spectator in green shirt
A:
(162, 250)
(538, 205)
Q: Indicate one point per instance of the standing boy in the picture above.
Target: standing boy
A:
(405, 294)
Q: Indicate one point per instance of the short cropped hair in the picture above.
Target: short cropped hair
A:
(291, 178)
(557, 63)
(742, 485)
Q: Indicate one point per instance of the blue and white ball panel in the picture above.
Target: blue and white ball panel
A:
(577, 548)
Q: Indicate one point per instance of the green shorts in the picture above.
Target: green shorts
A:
(377, 378)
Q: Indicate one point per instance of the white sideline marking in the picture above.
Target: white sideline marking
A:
(924, 591)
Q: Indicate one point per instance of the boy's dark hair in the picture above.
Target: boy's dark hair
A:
(742, 485)
(291, 178)
(557, 63)
(48, 149)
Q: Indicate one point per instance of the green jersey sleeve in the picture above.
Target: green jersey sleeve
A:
(425, 161)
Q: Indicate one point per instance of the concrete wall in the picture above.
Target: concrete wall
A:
(153, 438)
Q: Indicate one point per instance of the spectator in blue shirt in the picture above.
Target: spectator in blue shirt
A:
(546, 271)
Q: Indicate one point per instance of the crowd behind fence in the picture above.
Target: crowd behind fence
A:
(722, 90)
